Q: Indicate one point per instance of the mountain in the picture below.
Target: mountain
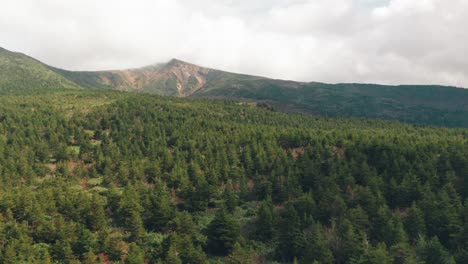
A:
(423, 104)
(19, 72)
(174, 78)
(101, 176)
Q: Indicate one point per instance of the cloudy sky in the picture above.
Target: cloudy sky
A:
(377, 41)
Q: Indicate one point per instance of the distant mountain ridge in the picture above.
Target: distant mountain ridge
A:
(175, 78)
(19, 72)
(423, 104)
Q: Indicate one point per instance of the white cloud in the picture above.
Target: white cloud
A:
(405, 7)
(383, 41)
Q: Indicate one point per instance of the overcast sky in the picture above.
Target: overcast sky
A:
(376, 41)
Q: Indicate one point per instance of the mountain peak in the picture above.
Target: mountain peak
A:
(175, 60)
(171, 64)
(177, 63)
(175, 77)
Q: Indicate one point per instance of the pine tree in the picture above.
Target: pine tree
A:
(238, 256)
(432, 251)
(223, 233)
(379, 255)
(173, 256)
(97, 219)
(347, 243)
(230, 197)
(317, 246)
(135, 226)
(291, 237)
(265, 221)
(90, 258)
(135, 255)
(159, 211)
(130, 213)
(414, 223)
(9, 255)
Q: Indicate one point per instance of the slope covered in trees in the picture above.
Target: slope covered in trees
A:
(433, 105)
(103, 176)
(423, 104)
(19, 72)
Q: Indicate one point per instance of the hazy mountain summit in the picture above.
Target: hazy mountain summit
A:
(175, 78)
(425, 104)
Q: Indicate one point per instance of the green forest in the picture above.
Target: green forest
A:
(417, 104)
(112, 177)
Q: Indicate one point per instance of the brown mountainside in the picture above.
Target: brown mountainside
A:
(423, 104)
(176, 78)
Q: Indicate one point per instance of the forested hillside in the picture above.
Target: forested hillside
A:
(20, 73)
(420, 104)
(425, 104)
(111, 177)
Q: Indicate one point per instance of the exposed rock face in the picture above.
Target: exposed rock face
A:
(177, 78)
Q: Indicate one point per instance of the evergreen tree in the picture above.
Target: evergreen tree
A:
(230, 197)
(239, 256)
(291, 238)
(135, 255)
(173, 257)
(97, 219)
(414, 223)
(379, 255)
(90, 258)
(265, 221)
(432, 251)
(317, 246)
(223, 233)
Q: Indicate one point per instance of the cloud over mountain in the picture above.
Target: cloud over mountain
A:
(396, 41)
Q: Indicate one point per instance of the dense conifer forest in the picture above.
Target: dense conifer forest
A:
(112, 177)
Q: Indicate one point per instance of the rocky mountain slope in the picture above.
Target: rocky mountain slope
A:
(424, 104)
(175, 78)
